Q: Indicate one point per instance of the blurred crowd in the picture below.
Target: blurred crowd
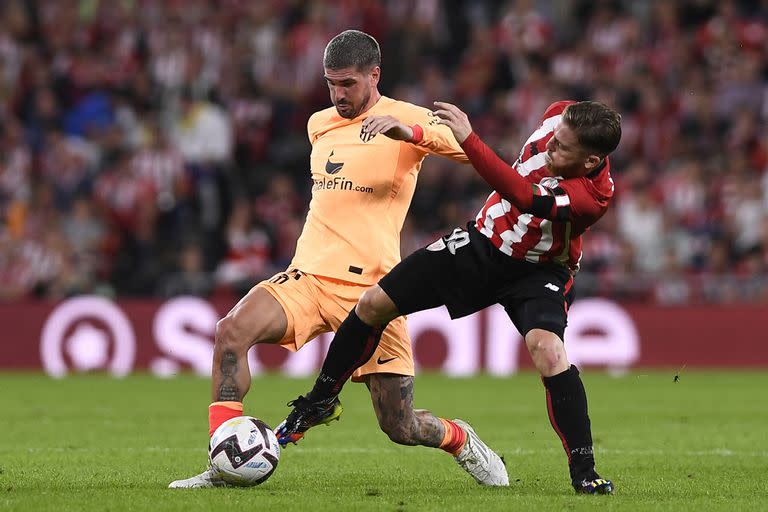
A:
(158, 147)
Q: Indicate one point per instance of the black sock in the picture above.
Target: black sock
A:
(352, 346)
(567, 406)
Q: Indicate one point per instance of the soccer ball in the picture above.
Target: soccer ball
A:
(244, 451)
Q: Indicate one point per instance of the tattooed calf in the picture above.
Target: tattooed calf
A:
(228, 390)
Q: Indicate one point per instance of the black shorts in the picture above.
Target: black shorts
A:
(466, 273)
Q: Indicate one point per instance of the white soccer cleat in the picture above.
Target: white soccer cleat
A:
(477, 459)
(208, 478)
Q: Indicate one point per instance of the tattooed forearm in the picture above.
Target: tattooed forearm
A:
(228, 389)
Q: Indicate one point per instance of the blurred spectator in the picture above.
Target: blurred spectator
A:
(280, 209)
(203, 132)
(85, 233)
(125, 194)
(203, 135)
(189, 277)
(67, 164)
(161, 166)
(672, 285)
(642, 224)
(249, 251)
(15, 177)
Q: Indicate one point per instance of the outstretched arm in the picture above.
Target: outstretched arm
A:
(566, 201)
(503, 178)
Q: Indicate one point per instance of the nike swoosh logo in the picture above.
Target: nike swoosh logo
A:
(333, 167)
(383, 361)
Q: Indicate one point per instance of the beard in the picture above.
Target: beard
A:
(548, 165)
(352, 111)
(566, 171)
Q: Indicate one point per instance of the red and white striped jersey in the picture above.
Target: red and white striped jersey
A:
(584, 200)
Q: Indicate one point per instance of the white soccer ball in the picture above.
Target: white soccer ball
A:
(244, 451)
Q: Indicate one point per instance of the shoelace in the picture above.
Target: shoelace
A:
(296, 401)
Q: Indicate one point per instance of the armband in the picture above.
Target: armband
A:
(418, 134)
(542, 206)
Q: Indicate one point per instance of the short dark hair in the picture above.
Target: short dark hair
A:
(352, 48)
(597, 126)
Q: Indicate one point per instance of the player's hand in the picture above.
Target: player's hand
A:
(451, 116)
(388, 125)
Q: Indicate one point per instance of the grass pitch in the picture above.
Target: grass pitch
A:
(96, 443)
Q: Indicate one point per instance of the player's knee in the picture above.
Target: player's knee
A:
(230, 335)
(374, 307)
(547, 351)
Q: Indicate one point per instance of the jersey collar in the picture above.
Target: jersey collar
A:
(598, 169)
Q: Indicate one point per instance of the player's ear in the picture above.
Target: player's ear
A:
(592, 161)
(375, 74)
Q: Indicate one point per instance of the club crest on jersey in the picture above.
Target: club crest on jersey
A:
(550, 182)
(333, 167)
(365, 136)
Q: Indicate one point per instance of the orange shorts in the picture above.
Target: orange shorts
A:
(315, 305)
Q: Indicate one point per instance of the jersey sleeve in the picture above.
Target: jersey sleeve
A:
(432, 137)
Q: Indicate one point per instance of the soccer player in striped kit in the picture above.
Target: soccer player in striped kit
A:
(367, 150)
(522, 252)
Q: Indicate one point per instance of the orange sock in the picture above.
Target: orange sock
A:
(219, 412)
(454, 438)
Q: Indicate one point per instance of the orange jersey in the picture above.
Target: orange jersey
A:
(362, 191)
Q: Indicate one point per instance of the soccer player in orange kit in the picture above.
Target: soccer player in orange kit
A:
(366, 153)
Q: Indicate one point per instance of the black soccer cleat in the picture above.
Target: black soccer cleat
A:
(305, 415)
(593, 486)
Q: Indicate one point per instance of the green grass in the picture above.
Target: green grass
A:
(95, 443)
